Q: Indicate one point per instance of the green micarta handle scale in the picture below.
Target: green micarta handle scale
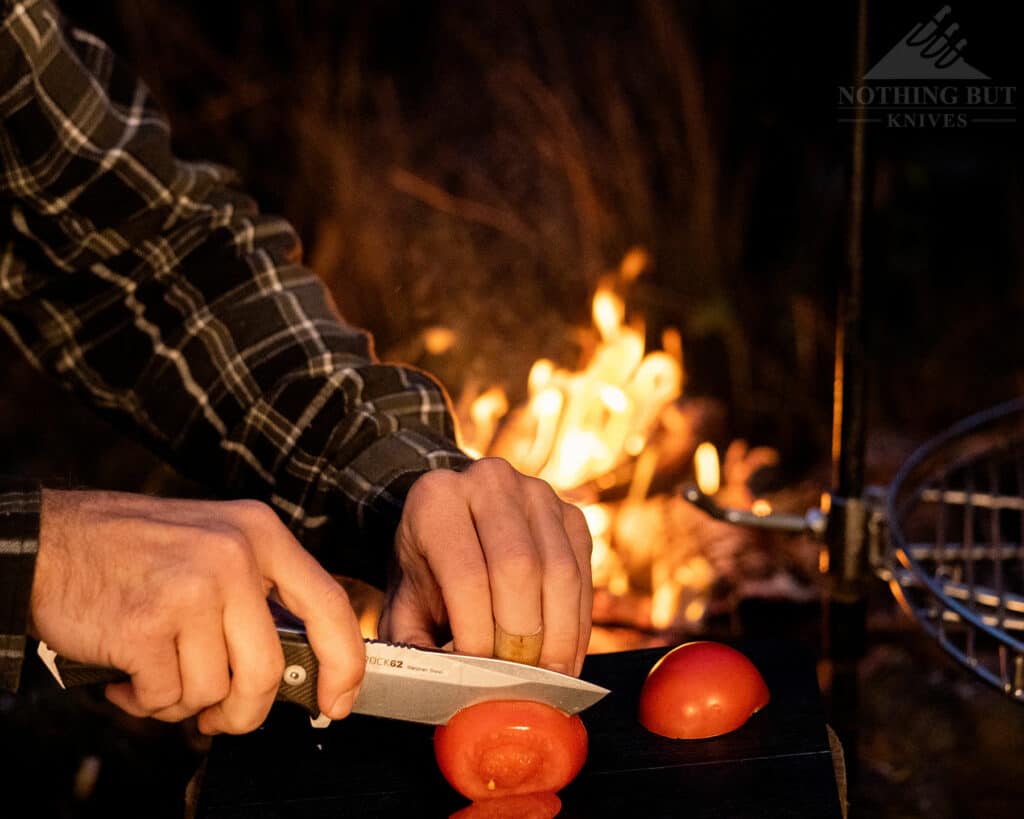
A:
(298, 683)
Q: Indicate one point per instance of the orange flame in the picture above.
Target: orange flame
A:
(589, 429)
(485, 412)
(608, 311)
(579, 425)
(438, 340)
(706, 464)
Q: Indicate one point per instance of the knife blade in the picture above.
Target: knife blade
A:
(401, 682)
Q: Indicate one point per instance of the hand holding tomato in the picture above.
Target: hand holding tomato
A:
(491, 547)
(700, 690)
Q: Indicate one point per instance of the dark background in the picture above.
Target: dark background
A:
(481, 166)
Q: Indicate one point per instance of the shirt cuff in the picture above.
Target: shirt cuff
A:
(19, 543)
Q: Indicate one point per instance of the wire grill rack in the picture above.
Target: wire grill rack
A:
(954, 555)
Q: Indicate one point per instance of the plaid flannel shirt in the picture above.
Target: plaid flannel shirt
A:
(152, 289)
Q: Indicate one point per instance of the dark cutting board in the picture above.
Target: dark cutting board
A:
(777, 765)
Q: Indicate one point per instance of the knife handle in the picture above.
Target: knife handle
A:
(298, 683)
(74, 673)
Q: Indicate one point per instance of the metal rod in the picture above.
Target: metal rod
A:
(968, 538)
(922, 552)
(850, 369)
(980, 595)
(813, 522)
(847, 527)
(986, 500)
(846, 536)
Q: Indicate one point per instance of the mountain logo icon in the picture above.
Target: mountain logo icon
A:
(930, 51)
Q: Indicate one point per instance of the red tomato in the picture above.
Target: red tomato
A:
(701, 690)
(510, 747)
(521, 806)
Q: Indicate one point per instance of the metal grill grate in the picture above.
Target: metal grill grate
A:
(955, 557)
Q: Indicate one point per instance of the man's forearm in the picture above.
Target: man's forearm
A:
(164, 297)
(19, 542)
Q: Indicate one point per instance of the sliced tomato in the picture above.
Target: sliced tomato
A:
(510, 747)
(520, 806)
(699, 690)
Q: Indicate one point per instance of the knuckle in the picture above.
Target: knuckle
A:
(497, 473)
(258, 514)
(173, 714)
(518, 564)
(564, 571)
(212, 689)
(334, 599)
(216, 691)
(542, 491)
(230, 551)
(192, 591)
(576, 525)
(574, 516)
(434, 484)
(264, 680)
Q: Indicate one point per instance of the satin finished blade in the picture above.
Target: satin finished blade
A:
(401, 681)
(420, 685)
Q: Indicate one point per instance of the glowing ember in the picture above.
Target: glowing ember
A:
(761, 508)
(609, 312)
(705, 461)
(598, 519)
(540, 375)
(634, 263)
(438, 340)
(694, 611)
(485, 412)
(664, 604)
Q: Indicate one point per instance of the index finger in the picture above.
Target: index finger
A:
(310, 593)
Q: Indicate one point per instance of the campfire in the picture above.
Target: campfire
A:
(617, 434)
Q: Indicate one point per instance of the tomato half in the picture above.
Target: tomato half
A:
(510, 747)
(699, 690)
(520, 806)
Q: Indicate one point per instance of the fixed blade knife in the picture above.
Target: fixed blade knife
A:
(401, 682)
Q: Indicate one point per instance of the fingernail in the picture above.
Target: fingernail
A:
(342, 706)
